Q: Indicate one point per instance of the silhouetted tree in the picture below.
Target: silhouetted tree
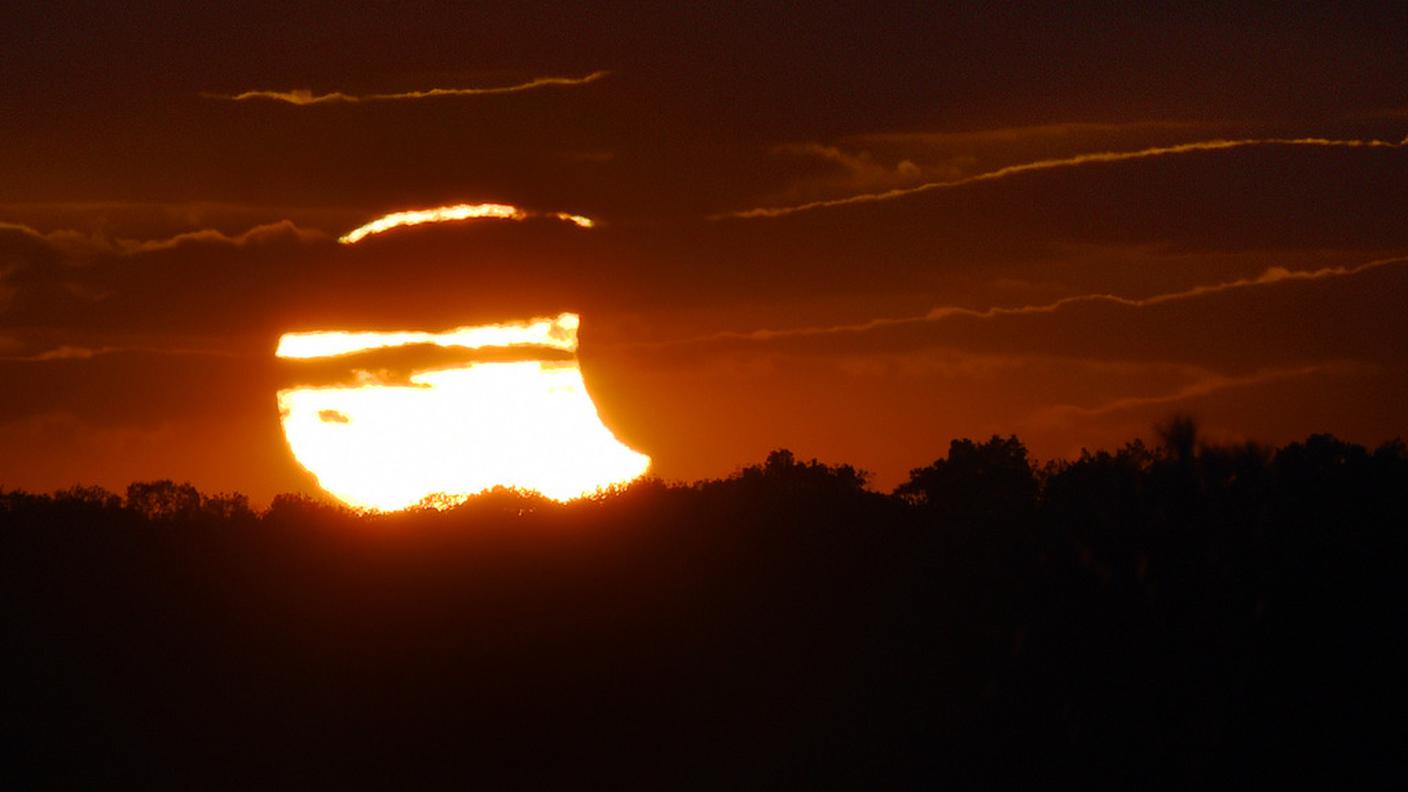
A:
(782, 472)
(227, 507)
(89, 496)
(989, 482)
(1186, 614)
(1178, 438)
(163, 500)
(299, 510)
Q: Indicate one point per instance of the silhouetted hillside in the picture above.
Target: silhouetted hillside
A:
(1174, 616)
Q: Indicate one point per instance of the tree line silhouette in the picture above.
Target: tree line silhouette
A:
(1170, 615)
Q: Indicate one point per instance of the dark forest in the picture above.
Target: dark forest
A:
(1174, 614)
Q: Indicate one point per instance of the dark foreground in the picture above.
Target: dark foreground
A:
(1177, 617)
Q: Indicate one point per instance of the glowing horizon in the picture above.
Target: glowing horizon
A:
(455, 432)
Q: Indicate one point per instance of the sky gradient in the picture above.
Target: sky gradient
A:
(854, 233)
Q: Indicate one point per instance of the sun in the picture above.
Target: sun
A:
(380, 442)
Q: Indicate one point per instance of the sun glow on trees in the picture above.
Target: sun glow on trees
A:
(529, 424)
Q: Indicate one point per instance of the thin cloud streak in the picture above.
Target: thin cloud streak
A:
(258, 233)
(1015, 134)
(1270, 276)
(72, 241)
(73, 352)
(1205, 387)
(303, 97)
(1062, 162)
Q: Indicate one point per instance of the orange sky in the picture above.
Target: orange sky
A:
(1090, 220)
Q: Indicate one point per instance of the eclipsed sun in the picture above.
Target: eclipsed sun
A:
(518, 415)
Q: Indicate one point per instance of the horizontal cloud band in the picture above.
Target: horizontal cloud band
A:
(1063, 162)
(1270, 276)
(304, 97)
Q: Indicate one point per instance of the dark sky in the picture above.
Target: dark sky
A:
(156, 238)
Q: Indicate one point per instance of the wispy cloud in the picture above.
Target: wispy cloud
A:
(303, 97)
(77, 352)
(861, 170)
(1064, 162)
(1213, 383)
(78, 244)
(1039, 132)
(284, 229)
(1270, 276)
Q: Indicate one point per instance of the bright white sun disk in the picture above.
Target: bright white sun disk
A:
(526, 424)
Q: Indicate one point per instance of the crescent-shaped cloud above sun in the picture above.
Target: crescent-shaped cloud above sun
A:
(447, 214)
(445, 433)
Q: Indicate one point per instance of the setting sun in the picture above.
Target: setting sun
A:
(966, 394)
(525, 423)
